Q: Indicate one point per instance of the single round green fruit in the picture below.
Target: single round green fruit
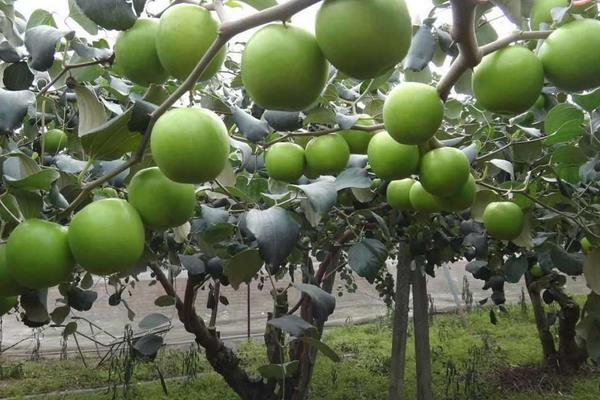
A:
(107, 236)
(413, 112)
(423, 201)
(571, 56)
(54, 141)
(398, 194)
(135, 53)
(190, 145)
(327, 155)
(444, 171)
(541, 11)
(7, 304)
(586, 246)
(503, 220)
(8, 285)
(285, 162)
(185, 33)
(392, 160)
(364, 39)
(358, 140)
(461, 200)
(161, 202)
(509, 80)
(38, 255)
(283, 68)
(536, 271)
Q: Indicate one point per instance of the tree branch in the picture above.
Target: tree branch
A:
(69, 67)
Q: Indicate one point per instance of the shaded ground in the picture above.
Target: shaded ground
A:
(364, 305)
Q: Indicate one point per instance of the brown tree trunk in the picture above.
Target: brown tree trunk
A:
(400, 324)
(421, 324)
(541, 323)
(571, 355)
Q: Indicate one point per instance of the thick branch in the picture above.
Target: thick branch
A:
(463, 30)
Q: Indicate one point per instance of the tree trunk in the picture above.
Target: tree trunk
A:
(571, 356)
(421, 324)
(541, 322)
(400, 324)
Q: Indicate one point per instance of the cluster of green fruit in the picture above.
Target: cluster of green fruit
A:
(105, 237)
(510, 80)
(154, 49)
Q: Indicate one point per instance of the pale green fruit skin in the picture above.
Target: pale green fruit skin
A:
(398, 194)
(586, 246)
(461, 200)
(38, 255)
(161, 202)
(444, 171)
(7, 304)
(392, 160)
(503, 220)
(54, 141)
(509, 80)
(571, 56)
(326, 155)
(135, 53)
(185, 33)
(190, 145)
(413, 112)
(8, 285)
(364, 39)
(541, 11)
(285, 162)
(357, 140)
(107, 236)
(283, 68)
(421, 200)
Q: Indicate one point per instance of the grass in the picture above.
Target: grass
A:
(468, 365)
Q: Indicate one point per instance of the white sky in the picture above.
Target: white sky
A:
(418, 8)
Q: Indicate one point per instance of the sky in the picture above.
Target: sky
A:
(418, 9)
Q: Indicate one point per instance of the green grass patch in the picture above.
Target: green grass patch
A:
(467, 364)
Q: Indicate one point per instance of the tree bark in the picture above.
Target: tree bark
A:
(400, 324)
(541, 323)
(421, 324)
(571, 355)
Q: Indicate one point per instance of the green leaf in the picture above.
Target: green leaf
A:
(275, 231)
(23, 173)
(322, 194)
(13, 108)
(260, 4)
(153, 320)
(514, 268)
(367, 257)
(79, 16)
(279, 371)
(323, 303)
(91, 110)
(294, 325)
(242, 267)
(567, 161)
(353, 178)
(109, 14)
(111, 140)
(558, 116)
(568, 131)
(165, 301)
(322, 347)
(40, 17)
(588, 101)
(591, 270)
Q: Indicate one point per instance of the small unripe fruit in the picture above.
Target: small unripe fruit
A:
(327, 155)
(398, 194)
(161, 202)
(285, 162)
(54, 141)
(392, 160)
(413, 113)
(503, 220)
(444, 171)
(423, 201)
